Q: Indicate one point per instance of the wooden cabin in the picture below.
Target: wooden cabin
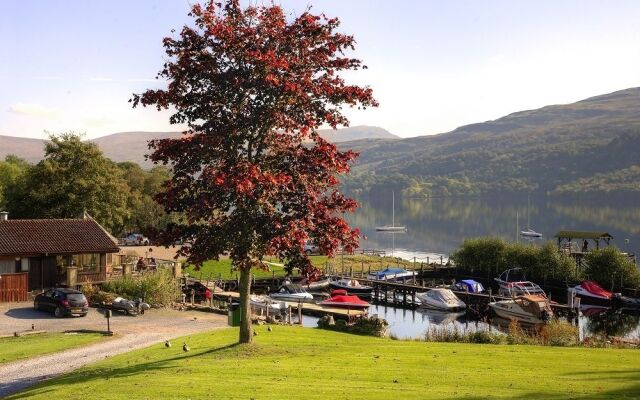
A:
(40, 253)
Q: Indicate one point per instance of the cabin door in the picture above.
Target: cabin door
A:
(35, 274)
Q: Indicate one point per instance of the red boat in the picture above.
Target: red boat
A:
(339, 298)
(592, 293)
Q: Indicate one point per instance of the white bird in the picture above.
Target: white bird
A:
(167, 344)
(185, 348)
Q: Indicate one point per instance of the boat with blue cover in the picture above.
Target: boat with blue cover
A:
(391, 274)
(468, 285)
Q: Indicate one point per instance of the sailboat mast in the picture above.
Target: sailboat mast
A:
(528, 205)
(393, 208)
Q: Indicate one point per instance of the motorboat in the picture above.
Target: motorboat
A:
(531, 309)
(291, 292)
(441, 299)
(339, 298)
(530, 233)
(315, 286)
(620, 300)
(391, 274)
(513, 283)
(467, 285)
(352, 286)
(592, 293)
(261, 304)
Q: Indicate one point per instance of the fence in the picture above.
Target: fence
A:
(13, 287)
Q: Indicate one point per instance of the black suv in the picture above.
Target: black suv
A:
(63, 302)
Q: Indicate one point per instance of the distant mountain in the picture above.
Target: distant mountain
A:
(552, 149)
(132, 146)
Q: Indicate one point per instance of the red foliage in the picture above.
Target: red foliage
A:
(251, 175)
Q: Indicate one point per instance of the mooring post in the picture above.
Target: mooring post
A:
(300, 313)
(289, 314)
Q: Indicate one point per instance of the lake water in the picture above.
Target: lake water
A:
(438, 226)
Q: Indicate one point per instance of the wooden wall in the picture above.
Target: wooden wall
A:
(13, 287)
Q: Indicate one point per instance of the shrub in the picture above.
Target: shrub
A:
(558, 333)
(454, 335)
(371, 326)
(611, 268)
(159, 287)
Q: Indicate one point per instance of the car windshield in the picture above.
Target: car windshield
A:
(75, 296)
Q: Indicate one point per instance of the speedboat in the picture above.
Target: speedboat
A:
(513, 283)
(339, 298)
(261, 304)
(315, 286)
(391, 274)
(291, 292)
(352, 286)
(532, 309)
(441, 299)
(467, 285)
(592, 293)
(530, 233)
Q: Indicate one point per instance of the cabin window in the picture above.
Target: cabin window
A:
(24, 265)
(87, 263)
(7, 265)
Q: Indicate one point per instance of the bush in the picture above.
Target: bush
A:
(159, 287)
(558, 333)
(371, 326)
(491, 256)
(611, 268)
(445, 334)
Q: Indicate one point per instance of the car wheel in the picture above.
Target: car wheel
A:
(58, 312)
(308, 252)
(36, 305)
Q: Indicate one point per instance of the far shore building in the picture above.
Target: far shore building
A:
(40, 253)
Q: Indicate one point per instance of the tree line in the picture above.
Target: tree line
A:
(75, 177)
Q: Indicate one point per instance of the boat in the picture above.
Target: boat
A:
(467, 285)
(291, 292)
(315, 286)
(620, 300)
(393, 228)
(391, 274)
(530, 233)
(513, 283)
(531, 309)
(261, 304)
(592, 293)
(352, 286)
(440, 299)
(339, 298)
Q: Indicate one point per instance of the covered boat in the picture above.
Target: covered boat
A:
(592, 293)
(266, 305)
(341, 300)
(513, 283)
(352, 286)
(391, 274)
(291, 292)
(441, 299)
(531, 309)
(468, 285)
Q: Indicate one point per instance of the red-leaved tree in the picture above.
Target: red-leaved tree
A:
(252, 176)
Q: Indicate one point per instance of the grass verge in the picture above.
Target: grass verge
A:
(294, 363)
(17, 348)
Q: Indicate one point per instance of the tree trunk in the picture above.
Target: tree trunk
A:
(246, 334)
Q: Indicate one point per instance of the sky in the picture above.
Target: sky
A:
(433, 65)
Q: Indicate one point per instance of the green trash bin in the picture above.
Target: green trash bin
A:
(234, 314)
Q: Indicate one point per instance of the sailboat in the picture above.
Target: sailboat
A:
(529, 232)
(393, 227)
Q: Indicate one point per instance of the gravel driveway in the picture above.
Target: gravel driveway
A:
(154, 326)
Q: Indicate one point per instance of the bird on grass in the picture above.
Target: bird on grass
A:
(167, 344)
(269, 329)
(185, 348)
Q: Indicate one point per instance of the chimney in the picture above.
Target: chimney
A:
(4, 216)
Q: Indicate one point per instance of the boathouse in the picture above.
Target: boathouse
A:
(41, 253)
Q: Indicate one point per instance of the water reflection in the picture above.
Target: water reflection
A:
(600, 321)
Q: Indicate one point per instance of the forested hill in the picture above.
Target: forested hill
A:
(591, 145)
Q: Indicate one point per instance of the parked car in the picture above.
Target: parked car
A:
(200, 292)
(311, 248)
(62, 302)
(135, 239)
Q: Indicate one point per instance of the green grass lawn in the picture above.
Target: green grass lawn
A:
(222, 269)
(300, 363)
(16, 348)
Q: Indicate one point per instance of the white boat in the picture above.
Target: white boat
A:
(391, 274)
(315, 285)
(512, 283)
(291, 292)
(530, 309)
(440, 299)
(392, 228)
(530, 233)
(592, 293)
(260, 304)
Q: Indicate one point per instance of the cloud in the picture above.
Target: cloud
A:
(96, 120)
(101, 79)
(34, 110)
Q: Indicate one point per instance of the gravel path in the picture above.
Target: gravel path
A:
(155, 326)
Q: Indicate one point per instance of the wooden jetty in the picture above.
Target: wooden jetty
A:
(315, 310)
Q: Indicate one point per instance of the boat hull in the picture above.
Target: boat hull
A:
(360, 291)
(509, 313)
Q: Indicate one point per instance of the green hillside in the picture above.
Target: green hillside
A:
(555, 149)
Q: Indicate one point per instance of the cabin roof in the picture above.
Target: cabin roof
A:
(583, 235)
(24, 237)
